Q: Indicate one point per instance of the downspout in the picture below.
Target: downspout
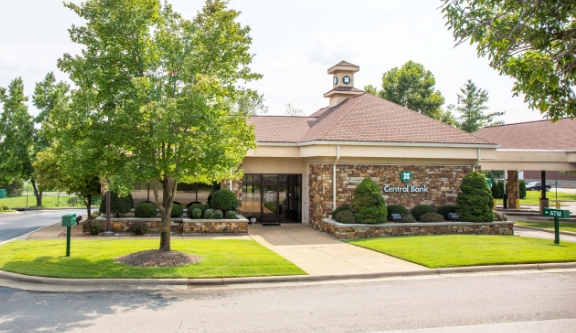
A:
(334, 178)
(479, 158)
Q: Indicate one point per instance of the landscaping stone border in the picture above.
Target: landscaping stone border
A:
(357, 231)
(183, 226)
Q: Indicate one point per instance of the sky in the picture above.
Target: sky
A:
(294, 43)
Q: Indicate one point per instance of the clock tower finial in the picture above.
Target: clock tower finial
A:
(342, 82)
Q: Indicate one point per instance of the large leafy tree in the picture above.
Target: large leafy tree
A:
(157, 91)
(471, 106)
(531, 41)
(413, 86)
(16, 134)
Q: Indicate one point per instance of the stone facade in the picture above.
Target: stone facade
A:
(183, 226)
(356, 231)
(442, 183)
(512, 188)
(236, 188)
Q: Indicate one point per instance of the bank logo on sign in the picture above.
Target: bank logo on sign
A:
(406, 176)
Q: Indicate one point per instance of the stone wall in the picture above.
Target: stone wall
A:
(356, 231)
(183, 226)
(442, 182)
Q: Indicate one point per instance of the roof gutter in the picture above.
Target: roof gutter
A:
(334, 178)
(478, 159)
(381, 144)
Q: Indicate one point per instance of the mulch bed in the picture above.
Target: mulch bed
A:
(156, 258)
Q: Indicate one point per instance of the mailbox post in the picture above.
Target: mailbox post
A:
(557, 214)
(68, 221)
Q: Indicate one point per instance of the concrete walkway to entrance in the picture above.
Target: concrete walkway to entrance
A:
(320, 254)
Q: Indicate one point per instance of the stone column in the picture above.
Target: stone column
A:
(512, 188)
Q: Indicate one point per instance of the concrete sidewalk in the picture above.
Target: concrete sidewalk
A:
(320, 254)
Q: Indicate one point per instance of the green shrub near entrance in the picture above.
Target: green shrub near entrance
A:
(407, 218)
(338, 210)
(475, 202)
(145, 209)
(194, 206)
(224, 200)
(196, 213)
(397, 209)
(177, 210)
(231, 215)
(368, 204)
(522, 189)
(118, 205)
(431, 217)
(345, 216)
(209, 214)
(138, 228)
(92, 227)
(218, 215)
(421, 210)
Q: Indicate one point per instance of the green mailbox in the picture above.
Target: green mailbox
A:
(68, 220)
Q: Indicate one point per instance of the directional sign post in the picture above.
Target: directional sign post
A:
(557, 214)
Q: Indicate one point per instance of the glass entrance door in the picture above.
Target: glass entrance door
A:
(270, 204)
(272, 198)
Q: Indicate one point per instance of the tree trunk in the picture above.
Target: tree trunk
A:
(89, 206)
(37, 194)
(165, 207)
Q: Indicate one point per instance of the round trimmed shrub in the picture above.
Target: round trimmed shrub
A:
(138, 228)
(475, 202)
(92, 227)
(177, 210)
(218, 214)
(209, 214)
(196, 206)
(495, 189)
(368, 204)
(224, 199)
(421, 210)
(446, 209)
(196, 213)
(407, 218)
(145, 209)
(338, 210)
(500, 216)
(346, 216)
(431, 217)
(397, 209)
(231, 215)
(118, 205)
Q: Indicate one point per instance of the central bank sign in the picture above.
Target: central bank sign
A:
(406, 177)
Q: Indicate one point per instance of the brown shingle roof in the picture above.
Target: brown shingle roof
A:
(535, 135)
(345, 64)
(364, 118)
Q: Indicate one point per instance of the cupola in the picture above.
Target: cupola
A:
(342, 83)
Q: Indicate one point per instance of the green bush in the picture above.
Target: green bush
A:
(421, 210)
(196, 213)
(118, 205)
(224, 199)
(14, 189)
(345, 216)
(92, 227)
(231, 215)
(95, 214)
(145, 209)
(138, 228)
(407, 218)
(338, 210)
(497, 189)
(446, 209)
(368, 204)
(431, 217)
(522, 189)
(177, 210)
(218, 215)
(5, 208)
(196, 206)
(209, 214)
(475, 202)
(397, 209)
(500, 216)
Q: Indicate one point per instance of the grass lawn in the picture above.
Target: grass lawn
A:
(533, 197)
(438, 251)
(564, 226)
(47, 202)
(95, 259)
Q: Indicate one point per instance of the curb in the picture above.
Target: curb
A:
(280, 279)
(565, 233)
